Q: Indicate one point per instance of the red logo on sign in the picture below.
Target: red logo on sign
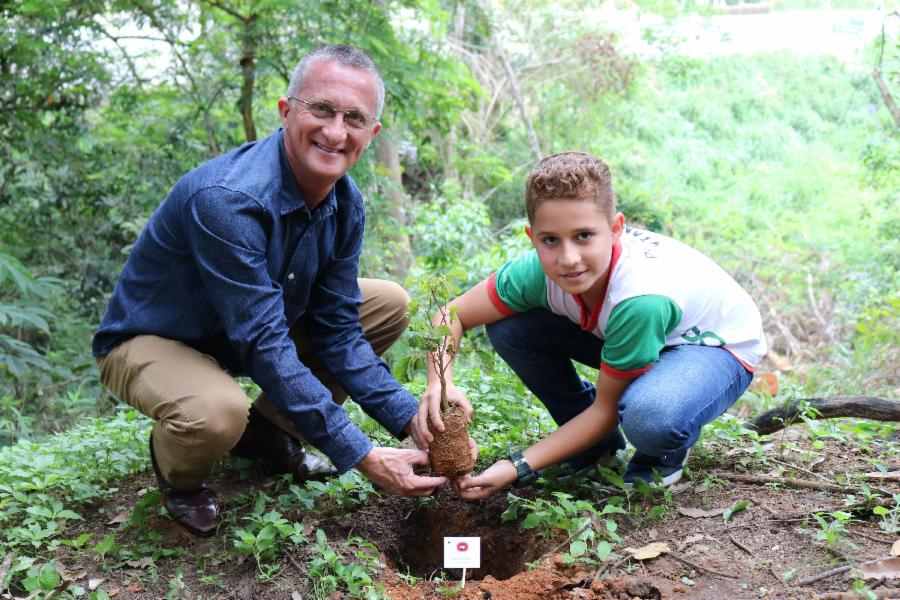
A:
(462, 546)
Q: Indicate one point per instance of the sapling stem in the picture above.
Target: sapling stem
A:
(443, 354)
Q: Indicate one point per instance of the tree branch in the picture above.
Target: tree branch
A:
(863, 407)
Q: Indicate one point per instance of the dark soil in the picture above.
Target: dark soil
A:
(750, 556)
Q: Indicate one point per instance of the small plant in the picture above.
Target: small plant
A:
(42, 580)
(177, 589)
(833, 530)
(890, 517)
(577, 518)
(449, 452)
(331, 574)
(265, 535)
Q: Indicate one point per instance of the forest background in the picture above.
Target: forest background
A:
(783, 166)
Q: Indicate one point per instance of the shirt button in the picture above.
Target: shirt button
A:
(290, 276)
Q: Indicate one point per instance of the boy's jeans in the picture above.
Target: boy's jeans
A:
(661, 412)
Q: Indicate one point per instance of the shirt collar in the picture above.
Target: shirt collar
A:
(290, 198)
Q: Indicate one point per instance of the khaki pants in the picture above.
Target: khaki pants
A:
(199, 409)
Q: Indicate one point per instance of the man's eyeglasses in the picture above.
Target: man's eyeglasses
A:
(323, 109)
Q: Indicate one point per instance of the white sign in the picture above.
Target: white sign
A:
(462, 552)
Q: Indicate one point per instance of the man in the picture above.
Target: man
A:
(250, 267)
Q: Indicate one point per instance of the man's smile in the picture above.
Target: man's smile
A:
(326, 149)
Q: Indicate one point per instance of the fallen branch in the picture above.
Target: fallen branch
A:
(863, 407)
(810, 485)
(754, 557)
(821, 576)
(786, 481)
(888, 595)
(701, 568)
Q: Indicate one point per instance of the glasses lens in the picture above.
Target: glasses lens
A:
(322, 110)
(355, 119)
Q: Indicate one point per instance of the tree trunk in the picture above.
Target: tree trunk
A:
(517, 96)
(248, 71)
(449, 148)
(389, 159)
(886, 95)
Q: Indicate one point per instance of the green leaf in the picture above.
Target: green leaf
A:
(532, 520)
(105, 545)
(48, 577)
(260, 505)
(577, 548)
(734, 508)
(604, 549)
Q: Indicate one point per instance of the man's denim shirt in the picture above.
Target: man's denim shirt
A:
(230, 260)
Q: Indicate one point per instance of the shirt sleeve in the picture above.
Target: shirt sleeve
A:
(340, 342)
(519, 285)
(636, 333)
(227, 235)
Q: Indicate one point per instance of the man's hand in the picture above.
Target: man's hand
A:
(498, 476)
(430, 408)
(412, 428)
(391, 470)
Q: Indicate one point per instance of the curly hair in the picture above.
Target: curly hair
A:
(570, 176)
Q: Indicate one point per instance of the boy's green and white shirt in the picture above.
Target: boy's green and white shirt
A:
(660, 293)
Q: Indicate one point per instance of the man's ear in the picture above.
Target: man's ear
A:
(529, 234)
(284, 107)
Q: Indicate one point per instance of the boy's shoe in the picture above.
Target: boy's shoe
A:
(656, 471)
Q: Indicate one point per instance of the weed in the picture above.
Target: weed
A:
(177, 589)
(264, 536)
(832, 529)
(331, 573)
(577, 518)
(890, 517)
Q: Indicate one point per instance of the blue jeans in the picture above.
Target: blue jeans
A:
(661, 412)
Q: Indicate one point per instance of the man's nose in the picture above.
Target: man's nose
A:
(335, 127)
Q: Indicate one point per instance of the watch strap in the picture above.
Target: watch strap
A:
(524, 474)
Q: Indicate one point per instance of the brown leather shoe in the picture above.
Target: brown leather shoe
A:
(196, 510)
(263, 440)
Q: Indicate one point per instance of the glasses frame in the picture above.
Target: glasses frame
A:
(370, 121)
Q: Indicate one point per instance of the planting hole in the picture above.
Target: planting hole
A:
(419, 545)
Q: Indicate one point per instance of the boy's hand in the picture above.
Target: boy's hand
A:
(498, 476)
(430, 408)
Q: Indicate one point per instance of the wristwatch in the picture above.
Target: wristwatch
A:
(523, 469)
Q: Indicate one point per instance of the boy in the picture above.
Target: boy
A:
(675, 337)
